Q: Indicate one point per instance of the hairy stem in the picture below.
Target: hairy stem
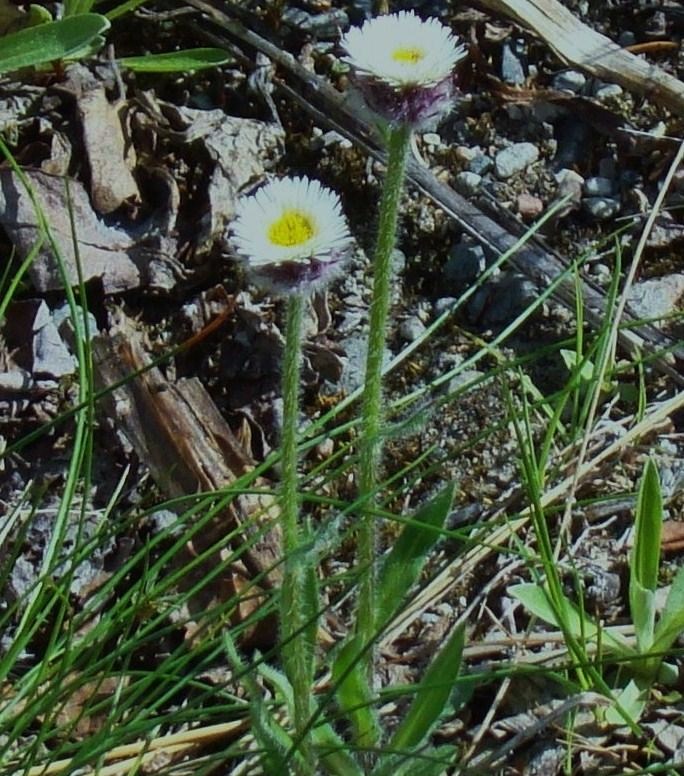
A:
(372, 412)
(297, 652)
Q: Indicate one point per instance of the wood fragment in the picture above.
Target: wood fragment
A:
(580, 46)
(177, 431)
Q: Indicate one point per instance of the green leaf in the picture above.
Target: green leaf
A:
(177, 61)
(645, 555)
(403, 564)
(333, 752)
(671, 622)
(645, 559)
(631, 700)
(536, 601)
(432, 696)
(570, 359)
(353, 694)
(642, 608)
(430, 762)
(48, 42)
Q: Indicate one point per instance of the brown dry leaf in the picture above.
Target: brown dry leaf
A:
(121, 260)
(672, 537)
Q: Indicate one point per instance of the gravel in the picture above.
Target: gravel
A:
(467, 182)
(515, 159)
(601, 208)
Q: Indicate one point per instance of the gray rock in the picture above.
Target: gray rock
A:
(656, 297)
(502, 299)
(480, 164)
(62, 320)
(411, 329)
(626, 38)
(514, 159)
(598, 187)
(512, 70)
(607, 91)
(602, 273)
(432, 139)
(570, 186)
(569, 81)
(465, 263)
(467, 182)
(443, 305)
(601, 208)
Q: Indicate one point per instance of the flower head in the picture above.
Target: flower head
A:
(292, 234)
(404, 65)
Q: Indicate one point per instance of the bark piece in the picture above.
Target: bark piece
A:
(111, 181)
(177, 431)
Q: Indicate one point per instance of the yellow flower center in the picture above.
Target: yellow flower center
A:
(408, 55)
(292, 228)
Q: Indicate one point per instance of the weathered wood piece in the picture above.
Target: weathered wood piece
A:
(579, 45)
(177, 431)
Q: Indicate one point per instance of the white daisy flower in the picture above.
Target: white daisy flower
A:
(292, 234)
(403, 65)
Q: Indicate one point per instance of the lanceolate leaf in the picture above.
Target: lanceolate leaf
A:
(353, 694)
(48, 42)
(177, 61)
(649, 521)
(432, 696)
(402, 566)
(645, 557)
(536, 600)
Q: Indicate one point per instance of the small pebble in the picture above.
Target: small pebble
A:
(602, 273)
(608, 91)
(466, 262)
(411, 329)
(570, 186)
(601, 208)
(443, 304)
(466, 154)
(598, 187)
(432, 138)
(515, 158)
(512, 70)
(657, 296)
(569, 81)
(324, 449)
(480, 165)
(529, 206)
(467, 182)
